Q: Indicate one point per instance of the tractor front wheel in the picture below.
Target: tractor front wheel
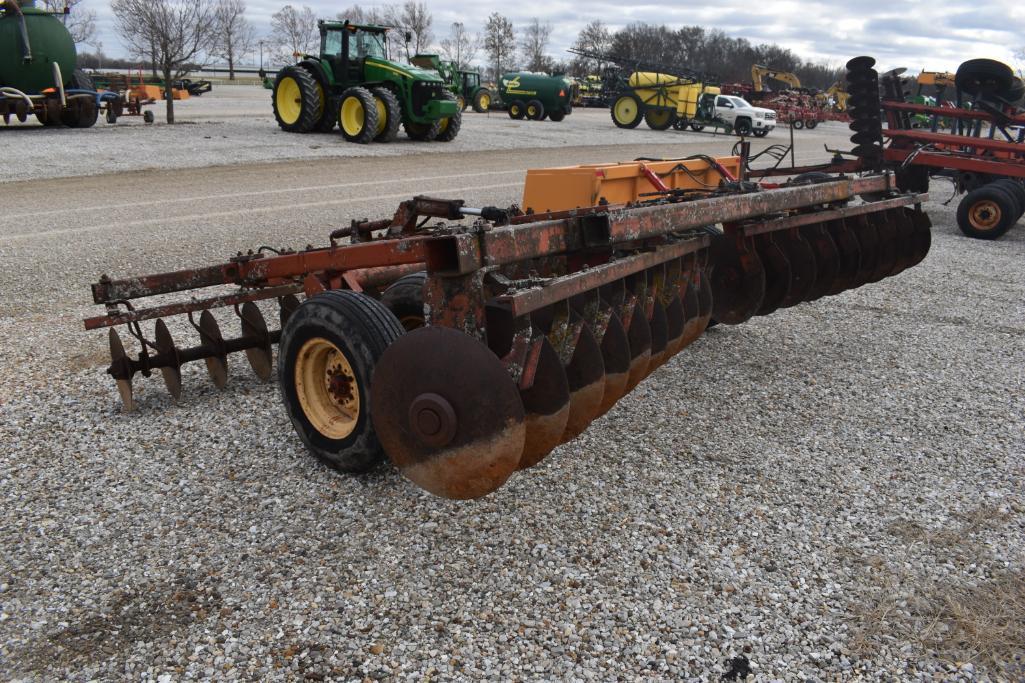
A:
(482, 101)
(297, 100)
(328, 351)
(358, 116)
(627, 111)
(389, 114)
(422, 132)
(448, 128)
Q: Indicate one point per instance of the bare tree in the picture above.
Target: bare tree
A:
(596, 39)
(499, 42)
(235, 34)
(415, 19)
(535, 42)
(294, 32)
(80, 22)
(364, 15)
(179, 34)
(461, 46)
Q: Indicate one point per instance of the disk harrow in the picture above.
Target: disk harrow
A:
(532, 325)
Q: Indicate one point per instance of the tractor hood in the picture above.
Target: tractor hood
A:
(412, 72)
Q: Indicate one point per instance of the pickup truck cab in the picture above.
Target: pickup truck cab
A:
(745, 118)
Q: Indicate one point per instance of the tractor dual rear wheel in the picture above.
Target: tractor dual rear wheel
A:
(358, 115)
(298, 100)
(329, 348)
(448, 128)
(389, 114)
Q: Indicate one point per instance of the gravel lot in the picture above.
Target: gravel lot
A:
(833, 492)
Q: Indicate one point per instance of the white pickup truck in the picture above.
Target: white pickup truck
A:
(741, 115)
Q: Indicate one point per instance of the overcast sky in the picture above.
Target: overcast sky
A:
(936, 35)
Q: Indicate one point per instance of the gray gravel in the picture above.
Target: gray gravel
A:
(797, 490)
(235, 125)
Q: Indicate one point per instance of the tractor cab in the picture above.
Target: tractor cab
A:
(471, 80)
(346, 47)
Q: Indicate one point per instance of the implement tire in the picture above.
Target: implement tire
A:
(326, 360)
(627, 111)
(659, 119)
(297, 100)
(405, 299)
(986, 213)
(984, 77)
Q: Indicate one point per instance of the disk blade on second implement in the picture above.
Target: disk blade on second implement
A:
(545, 406)
(448, 413)
(586, 376)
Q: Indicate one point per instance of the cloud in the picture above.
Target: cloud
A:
(937, 35)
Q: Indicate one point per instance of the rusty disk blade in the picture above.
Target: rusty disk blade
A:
(868, 242)
(659, 325)
(586, 376)
(639, 336)
(801, 257)
(545, 407)
(886, 247)
(923, 234)
(827, 259)
(288, 303)
(777, 273)
(737, 281)
(615, 355)
(217, 365)
(849, 256)
(171, 372)
(692, 319)
(118, 357)
(674, 327)
(901, 221)
(447, 413)
(259, 354)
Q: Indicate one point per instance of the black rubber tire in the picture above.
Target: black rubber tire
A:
(329, 105)
(82, 114)
(392, 112)
(80, 80)
(461, 101)
(680, 124)
(422, 132)
(1017, 192)
(654, 124)
(1016, 93)
(797, 124)
(447, 132)
(368, 131)
(310, 106)
(517, 110)
(697, 127)
(984, 77)
(760, 132)
(742, 127)
(148, 116)
(535, 110)
(478, 106)
(110, 116)
(810, 124)
(361, 328)
(405, 299)
(997, 199)
(556, 115)
(636, 120)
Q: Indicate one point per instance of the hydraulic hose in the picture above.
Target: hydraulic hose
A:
(13, 7)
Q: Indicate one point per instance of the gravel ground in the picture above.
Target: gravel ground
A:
(833, 492)
(235, 125)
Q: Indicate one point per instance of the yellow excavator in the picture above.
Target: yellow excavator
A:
(837, 94)
(759, 72)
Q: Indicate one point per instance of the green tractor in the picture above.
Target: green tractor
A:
(464, 84)
(354, 84)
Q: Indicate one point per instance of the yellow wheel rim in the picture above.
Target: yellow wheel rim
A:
(659, 117)
(443, 127)
(289, 100)
(352, 117)
(531, 112)
(320, 101)
(462, 102)
(327, 388)
(485, 102)
(985, 215)
(514, 110)
(382, 115)
(625, 110)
